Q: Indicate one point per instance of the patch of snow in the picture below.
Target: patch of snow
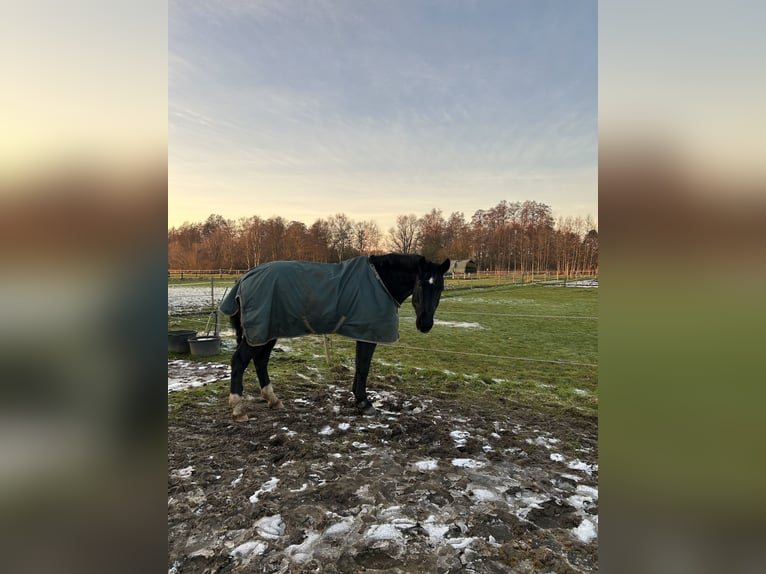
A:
(585, 532)
(184, 472)
(467, 463)
(267, 487)
(544, 441)
(435, 531)
(301, 489)
(572, 477)
(391, 510)
(556, 457)
(303, 552)
(527, 501)
(357, 444)
(326, 431)
(377, 426)
(383, 532)
(254, 547)
(363, 491)
(460, 543)
(483, 494)
(578, 464)
(340, 528)
(585, 283)
(425, 465)
(193, 297)
(459, 437)
(404, 523)
(584, 496)
(344, 426)
(586, 490)
(270, 527)
(458, 324)
(184, 374)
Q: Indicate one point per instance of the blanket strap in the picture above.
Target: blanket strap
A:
(342, 320)
(308, 326)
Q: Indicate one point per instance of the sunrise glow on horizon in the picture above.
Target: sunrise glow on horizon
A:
(380, 109)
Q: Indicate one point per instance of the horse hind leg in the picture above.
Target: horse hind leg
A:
(261, 361)
(239, 362)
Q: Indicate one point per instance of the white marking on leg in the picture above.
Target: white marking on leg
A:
(430, 280)
(237, 405)
(267, 393)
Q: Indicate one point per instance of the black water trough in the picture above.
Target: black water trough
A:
(206, 346)
(178, 341)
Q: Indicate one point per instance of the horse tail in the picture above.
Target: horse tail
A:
(237, 325)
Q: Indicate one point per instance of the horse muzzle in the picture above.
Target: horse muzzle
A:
(424, 325)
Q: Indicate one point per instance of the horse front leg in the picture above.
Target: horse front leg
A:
(261, 361)
(364, 353)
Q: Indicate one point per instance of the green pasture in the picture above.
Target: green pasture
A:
(535, 346)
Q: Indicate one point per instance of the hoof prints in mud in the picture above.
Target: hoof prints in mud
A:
(425, 486)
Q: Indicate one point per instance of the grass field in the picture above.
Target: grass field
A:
(535, 346)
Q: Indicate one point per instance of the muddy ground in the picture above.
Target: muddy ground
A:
(429, 484)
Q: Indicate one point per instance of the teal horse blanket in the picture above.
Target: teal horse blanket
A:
(295, 298)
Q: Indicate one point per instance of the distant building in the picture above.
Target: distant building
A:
(463, 266)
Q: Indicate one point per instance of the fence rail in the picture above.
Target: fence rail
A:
(513, 276)
(204, 273)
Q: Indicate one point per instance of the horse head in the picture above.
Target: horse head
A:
(429, 285)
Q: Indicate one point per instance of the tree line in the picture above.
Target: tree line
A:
(511, 236)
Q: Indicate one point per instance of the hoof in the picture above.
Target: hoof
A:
(268, 395)
(366, 409)
(237, 408)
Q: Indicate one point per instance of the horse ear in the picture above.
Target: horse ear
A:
(444, 267)
(421, 262)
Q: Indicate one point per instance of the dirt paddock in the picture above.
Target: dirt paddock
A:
(429, 484)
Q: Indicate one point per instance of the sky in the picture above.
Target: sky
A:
(380, 108)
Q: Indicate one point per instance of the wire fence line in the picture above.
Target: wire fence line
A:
(529, 359)
(520, 315)
(189, 317)
(433, 350)
(490, 356)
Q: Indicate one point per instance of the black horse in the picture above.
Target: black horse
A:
(358, 298)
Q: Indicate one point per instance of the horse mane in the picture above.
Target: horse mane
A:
(408, 262)
(398, 272)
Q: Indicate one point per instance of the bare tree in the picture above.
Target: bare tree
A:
(432, 235)
(366, 237)
(457, 237)
(403, 237)
(341, 234)
(508, 236)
